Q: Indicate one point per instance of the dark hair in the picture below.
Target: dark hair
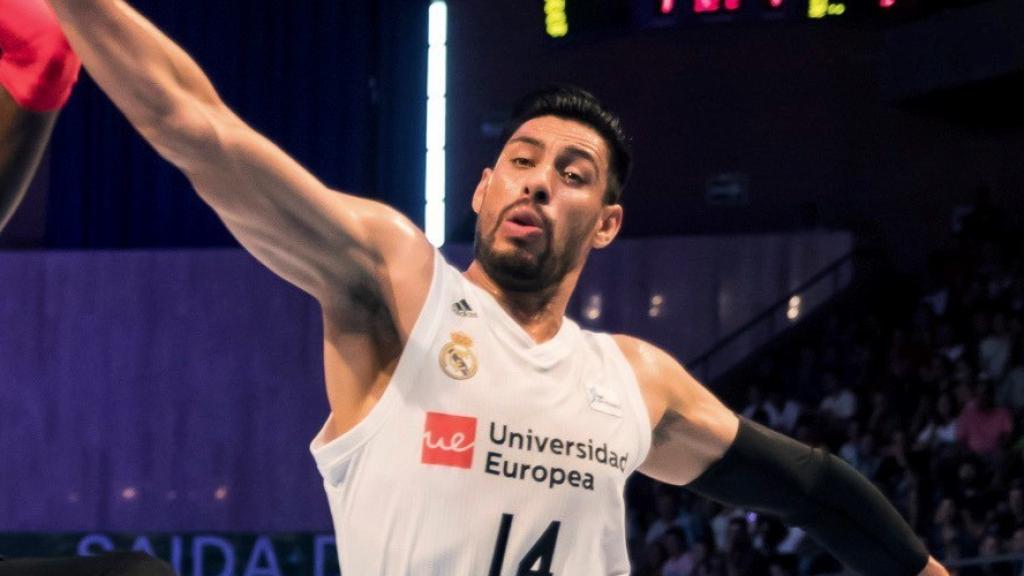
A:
(574, 103)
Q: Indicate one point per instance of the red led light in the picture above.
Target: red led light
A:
(667, 6)
(732, 4)
(705, 6)
(886, 3)
(775, 3)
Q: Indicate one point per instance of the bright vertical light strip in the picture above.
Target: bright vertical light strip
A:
(437, 80)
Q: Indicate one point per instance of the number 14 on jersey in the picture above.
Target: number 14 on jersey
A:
(537, 561)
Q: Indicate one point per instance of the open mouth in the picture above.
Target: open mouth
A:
(526, 218)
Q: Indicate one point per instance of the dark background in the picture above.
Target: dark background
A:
(880, 126)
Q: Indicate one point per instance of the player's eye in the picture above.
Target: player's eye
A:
(572, 177)
(522, 162)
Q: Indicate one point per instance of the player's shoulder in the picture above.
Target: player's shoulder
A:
(651, 364)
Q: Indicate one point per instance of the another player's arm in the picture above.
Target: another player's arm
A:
(699, 443)
(23, 138)
(37, 71)
(318, 239)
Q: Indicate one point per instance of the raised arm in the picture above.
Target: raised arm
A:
(37, 71)
(699, 443)
(325, 242)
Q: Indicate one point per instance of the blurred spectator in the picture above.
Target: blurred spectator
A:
(720, 525)
(774, 411)
(850, 449)
(668, 516)
(840, 403)
(742, 558)
(1015, 504)
(755, 406)
(984, 427)
(783, 413)
(991, 546)
(939, 430)
(994, 349)
(680, 560)
(1010, 392)
(868, 458)
(707, 561)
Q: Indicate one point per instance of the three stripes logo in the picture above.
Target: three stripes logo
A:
(463, 309)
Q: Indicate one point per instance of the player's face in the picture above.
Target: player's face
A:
(540, 209)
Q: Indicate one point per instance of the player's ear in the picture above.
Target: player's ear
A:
(608, 225)
(481, 189)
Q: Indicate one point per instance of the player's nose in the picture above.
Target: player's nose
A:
(538, 184)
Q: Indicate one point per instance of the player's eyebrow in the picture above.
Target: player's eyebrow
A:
(527, 140)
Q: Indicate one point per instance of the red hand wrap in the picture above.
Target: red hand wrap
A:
(37, 66)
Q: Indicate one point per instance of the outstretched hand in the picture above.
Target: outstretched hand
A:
(933, 568)
(37, 67)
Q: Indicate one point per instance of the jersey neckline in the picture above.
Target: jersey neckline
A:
(543, 355)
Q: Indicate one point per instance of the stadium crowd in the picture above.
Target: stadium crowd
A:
(927, 402)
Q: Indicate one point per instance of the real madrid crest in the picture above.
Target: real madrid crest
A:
(457, 357)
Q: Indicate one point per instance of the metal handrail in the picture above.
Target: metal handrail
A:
(769, 311)
(983, 560)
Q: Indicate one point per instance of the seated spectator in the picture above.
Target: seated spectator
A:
(939, 429)
(994, 348)
(984, 427)
(693, 517)
(882, 418)
(755, 406)
(783, 413)
(840, 403)
(1010, 392)
(668, 517)
(1015, 503)
(1016, 545)
(868, 458)
(720, 525)
(706, 561)
(992, 546)
(947, 344)
(680, 558)
(948, 540)
(850, 449)
(741, 558)
(653, 558)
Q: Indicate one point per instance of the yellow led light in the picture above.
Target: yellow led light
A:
(555, 19)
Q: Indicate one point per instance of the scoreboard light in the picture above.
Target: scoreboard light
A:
(556, 21)
(818, 9)
(706, 6)
(666, 6)
(886, 3)
(732, 5)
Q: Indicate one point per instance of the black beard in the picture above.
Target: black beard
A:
(516, 272)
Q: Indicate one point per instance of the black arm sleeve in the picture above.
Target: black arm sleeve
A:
(810, 488)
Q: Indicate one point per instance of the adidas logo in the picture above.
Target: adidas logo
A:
(462, 308)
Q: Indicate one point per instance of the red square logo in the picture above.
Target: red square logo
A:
(448, 440)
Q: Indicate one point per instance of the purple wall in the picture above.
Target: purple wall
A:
(178, 390)
(137, 387)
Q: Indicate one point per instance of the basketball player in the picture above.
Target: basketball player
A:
(37, 72)
(473, 429)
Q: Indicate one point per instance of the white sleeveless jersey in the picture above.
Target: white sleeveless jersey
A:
(489, 454)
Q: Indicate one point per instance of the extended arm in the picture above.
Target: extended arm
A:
(322, 241)
(700, 443)
(37, 71)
